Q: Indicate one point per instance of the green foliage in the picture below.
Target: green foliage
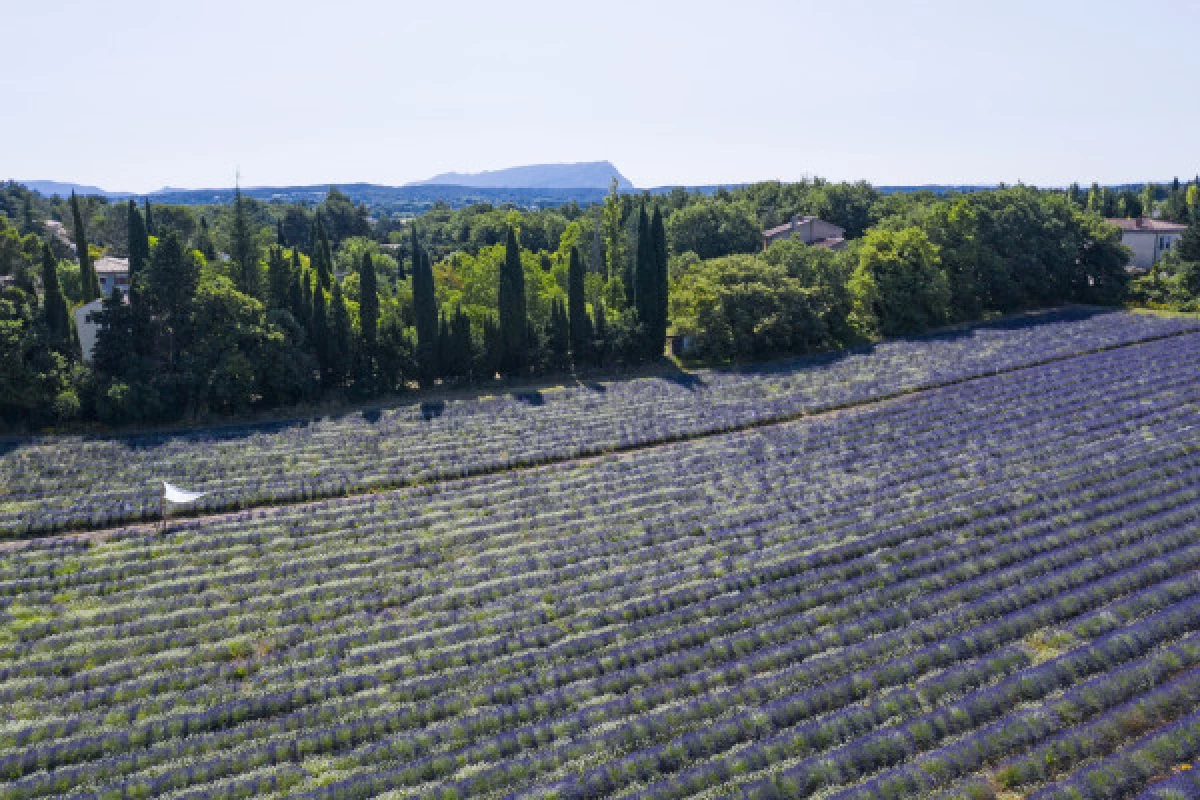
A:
(279, 279)
(368, 304)
(745, 307)
(33, 370)
(514, 320)
(579, 324)
(172, 278)
(138, 241)
(89, 281)
(58, 319)
(243, 249)
(712, 228)
(898, 286)
(425, 309)
(322, 253)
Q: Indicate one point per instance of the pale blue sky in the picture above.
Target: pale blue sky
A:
(137, 95)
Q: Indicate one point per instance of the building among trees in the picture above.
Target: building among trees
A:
(807, 229)
(112, 272)
(1149, 239)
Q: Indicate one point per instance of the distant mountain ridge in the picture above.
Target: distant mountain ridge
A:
(583, 175)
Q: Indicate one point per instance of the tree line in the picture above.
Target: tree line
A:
(258, 305)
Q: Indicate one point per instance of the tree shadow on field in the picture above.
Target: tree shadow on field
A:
(686, 380)
(531, 398)
(432, 409)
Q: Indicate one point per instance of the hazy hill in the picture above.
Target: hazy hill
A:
(586, 175)
(64, 189)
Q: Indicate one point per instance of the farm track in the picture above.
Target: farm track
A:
(554, 462)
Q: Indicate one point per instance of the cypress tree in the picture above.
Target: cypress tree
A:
(58, 322)
(560, 336)
(597, 263)
(139, 242)
(306, 315)
(513, 318)
(320, 333)
(296, 304)
(139, 260)
(658, 240)
(342, 345)
(425, 310)
(279, 279)
(322, 255)
(87, 272)
(645, 282)
(464, 351)
(243, 249)
(578, 322)
(368, 305)
(149, 219)
(445, 346)
(279, 238)
(114, 335)
(600, 336)
(491, 360)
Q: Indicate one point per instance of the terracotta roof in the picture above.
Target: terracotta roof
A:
(111, 265)
(1146, 224)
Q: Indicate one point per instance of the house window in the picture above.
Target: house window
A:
(121, 280)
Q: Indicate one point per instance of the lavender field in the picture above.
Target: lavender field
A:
(55, 483)
(989, 589)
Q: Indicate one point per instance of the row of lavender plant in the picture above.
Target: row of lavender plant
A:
(62, 482)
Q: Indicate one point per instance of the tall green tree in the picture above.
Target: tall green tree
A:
(321, 339)
(87, 271)
(243, 248)
(54, 305)
(645, 284)
(114, 336)
(514, 321)
(341, 350)
(139, 259)
(658, 240)
(578, 322)
(425, 310)
(139, 242)
(1189, 243)
(279, 279)
(171, 280)
(368, 303)
(149, 219)
(614, 236)
(322, 252)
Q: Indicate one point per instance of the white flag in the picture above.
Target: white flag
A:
(176, 495)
